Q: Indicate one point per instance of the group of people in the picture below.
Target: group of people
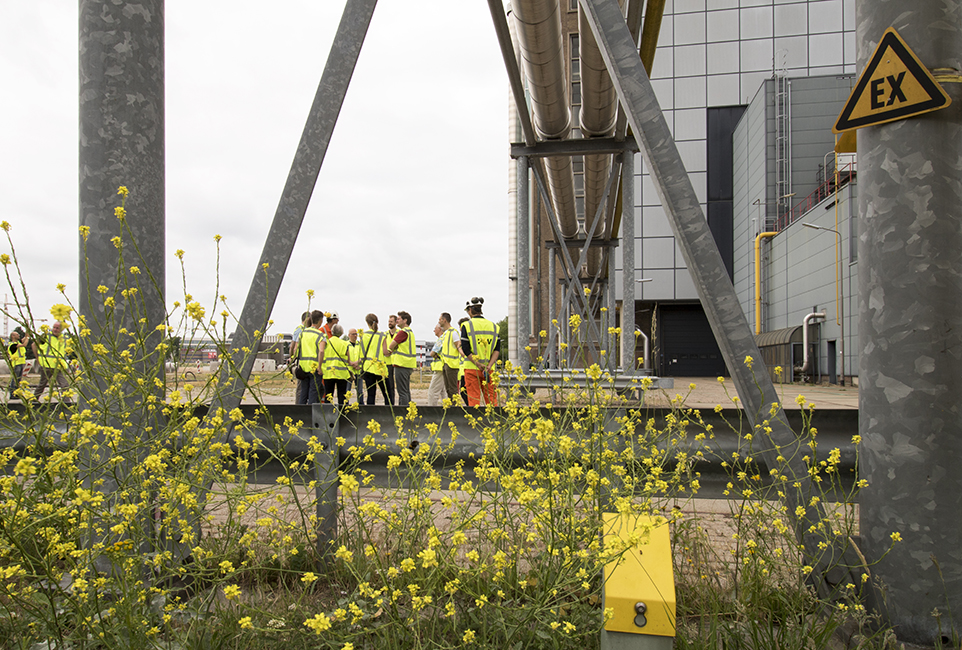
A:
(326, 363)
(50, 350)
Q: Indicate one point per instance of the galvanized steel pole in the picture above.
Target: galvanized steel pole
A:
(523, 261)
(552, 309)
(628, 264)
(610, 322)
(122, 143)
(294, 200)
(910, 326)
(715, 290)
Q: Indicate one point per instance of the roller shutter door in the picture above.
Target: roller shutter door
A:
(688, 343)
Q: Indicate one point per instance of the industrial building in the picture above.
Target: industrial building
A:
(750, 90)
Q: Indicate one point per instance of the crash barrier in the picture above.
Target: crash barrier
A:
(728, 437)
(639, 587)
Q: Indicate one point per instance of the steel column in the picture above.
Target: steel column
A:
(122, 143)
(570, 270)
(551, 341)
(294, 200)
(612, 304)
(710, 277)
(122, 129)
(628, 265)
(524, 262)
(910, 325)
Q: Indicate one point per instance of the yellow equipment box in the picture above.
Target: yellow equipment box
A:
(640, 586)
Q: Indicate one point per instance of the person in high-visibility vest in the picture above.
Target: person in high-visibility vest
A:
(303, 385)
(436, 391)
(391, 333)
(404, 354)
(333, 356)
(309, 356)
(17, 360)
(51, 354)
(450, 355)
(375, 369)
(479, 344)
(461, 361)
(354, 359)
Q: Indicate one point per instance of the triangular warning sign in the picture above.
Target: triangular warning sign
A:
(893, 86)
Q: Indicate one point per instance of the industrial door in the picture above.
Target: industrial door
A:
(688, 345)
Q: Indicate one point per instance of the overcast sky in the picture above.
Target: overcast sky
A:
(410, 209)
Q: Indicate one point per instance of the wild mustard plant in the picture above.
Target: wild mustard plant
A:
(138, 515)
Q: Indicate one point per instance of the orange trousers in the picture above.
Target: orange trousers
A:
(475, 384)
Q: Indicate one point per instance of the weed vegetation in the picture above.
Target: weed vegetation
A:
(136, 514)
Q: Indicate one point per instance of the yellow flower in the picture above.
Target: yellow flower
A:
(231, 592)
(196, 310)
(265, 265)
(120, 212)
(135, 270)
(245, 623)
(320, 623)
(309, 577)
(179, 253)
(217, 238)
(469, 635)
(123, 191)
(594, 372)
(749, 361)
(60, 312)
(343, 554)
(5, 225)
(4, 259)
(896, 537)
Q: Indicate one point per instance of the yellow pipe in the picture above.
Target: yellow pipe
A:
(649, 33)
(758, 278)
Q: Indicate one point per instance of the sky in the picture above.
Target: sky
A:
(410, 208)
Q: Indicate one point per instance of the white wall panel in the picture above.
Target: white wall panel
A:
(756, 22)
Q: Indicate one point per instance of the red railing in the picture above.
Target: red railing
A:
(846, 175)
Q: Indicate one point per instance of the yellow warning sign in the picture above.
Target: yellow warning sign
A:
(893, 86)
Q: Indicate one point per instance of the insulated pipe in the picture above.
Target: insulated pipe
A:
(806, 359)
(599, 110)
(758, 278)
(538, 25)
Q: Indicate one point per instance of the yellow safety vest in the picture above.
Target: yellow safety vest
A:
(406, 356)
(482, 334)
(354, 355)
(437, 363)
(307, 349)
(372, 354)
(53, 352)
(335, 359)
(449, 352)
(19, 357)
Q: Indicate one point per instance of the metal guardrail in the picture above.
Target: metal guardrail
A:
(729, 426)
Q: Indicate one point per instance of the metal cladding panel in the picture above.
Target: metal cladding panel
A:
(790, 20)
(722, 26)
(756, 22)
